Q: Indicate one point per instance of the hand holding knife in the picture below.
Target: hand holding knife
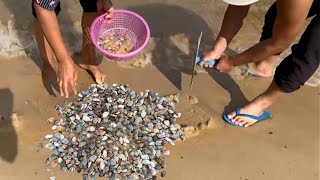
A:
(198, 59)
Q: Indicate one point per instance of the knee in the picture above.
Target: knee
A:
(299, 66)
(293, 72)
(286, 86)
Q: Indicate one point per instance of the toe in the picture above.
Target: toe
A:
(100, 78)
(249, 123)
(231, 115)
(241, 122)
(236, 119)
(103, 78)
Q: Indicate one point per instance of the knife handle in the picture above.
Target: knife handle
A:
(209, 63)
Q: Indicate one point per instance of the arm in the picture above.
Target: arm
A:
(105, 6)
(51, 30)
(291, 16)
(232, 23)
(67, 74)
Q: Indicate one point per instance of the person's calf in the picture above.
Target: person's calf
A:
(88, 59)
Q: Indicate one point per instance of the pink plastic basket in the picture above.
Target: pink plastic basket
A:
(123, 22)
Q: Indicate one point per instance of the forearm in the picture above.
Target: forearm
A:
(51, 30)
(232, 23)
(259, 52)
(289, 22)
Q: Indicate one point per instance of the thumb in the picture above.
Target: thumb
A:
(110, 13)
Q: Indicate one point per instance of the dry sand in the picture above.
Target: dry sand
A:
(284, 147)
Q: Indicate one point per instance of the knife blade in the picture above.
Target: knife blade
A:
(195, 61)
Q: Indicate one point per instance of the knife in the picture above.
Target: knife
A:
(197, 60)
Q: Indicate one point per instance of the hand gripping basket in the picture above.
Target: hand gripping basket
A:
(126, 23)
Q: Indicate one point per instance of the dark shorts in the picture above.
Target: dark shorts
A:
(304, 60)
(87, 6)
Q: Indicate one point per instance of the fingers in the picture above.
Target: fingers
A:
(73, 87)
(217, 67)
(75, 77)
(212, 66)
(73, 83)
(110, 13)
(63, 86)
(209, 65)
(211, 56)
(60, 87)
(204, 59)
(65, 89)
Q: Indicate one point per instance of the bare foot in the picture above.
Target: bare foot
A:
(99, 76)
(88, 60)
(263, 68)
(260, 71)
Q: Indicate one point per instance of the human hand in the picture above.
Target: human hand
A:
(210, 56)
(104, 6)
(67, 76)
(216, 53)
(225, 64)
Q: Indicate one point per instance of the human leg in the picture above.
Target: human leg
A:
(265, 68)
(290, 75)
(88, 59)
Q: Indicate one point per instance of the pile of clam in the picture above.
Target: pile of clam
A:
(116, 43)
(114, 132)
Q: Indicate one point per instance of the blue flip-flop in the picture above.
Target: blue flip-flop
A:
(246, 72)
(250, 74)
(265, 115)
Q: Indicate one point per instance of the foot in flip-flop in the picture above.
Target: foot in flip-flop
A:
(253, 72)
(240, 119)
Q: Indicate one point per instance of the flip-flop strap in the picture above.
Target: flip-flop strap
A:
(250, 74)
(247, 115)
(246, 72)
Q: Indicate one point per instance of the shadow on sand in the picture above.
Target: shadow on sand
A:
(166, 21)
(8, 136)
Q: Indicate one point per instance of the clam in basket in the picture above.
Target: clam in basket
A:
(125, 25)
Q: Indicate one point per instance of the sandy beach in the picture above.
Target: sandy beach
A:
(285, 147)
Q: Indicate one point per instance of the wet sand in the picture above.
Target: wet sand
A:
(284, 147)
